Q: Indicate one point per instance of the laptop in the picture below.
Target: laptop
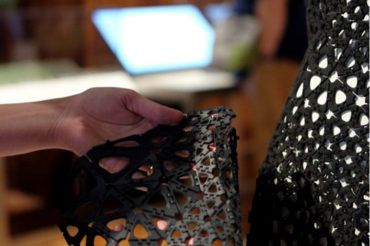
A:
(168, 48)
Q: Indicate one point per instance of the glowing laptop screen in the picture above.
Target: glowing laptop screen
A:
(155, 39)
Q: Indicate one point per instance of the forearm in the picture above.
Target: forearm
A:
(273, 17)
(27, 127)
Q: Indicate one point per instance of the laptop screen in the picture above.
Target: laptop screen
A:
(156, 39)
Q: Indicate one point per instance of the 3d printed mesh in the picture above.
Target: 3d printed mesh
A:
(313, 188)
(189, 180)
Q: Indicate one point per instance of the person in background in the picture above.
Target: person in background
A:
(283, 32)
(281, 44)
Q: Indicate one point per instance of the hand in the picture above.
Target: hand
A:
(102, 114)
(98, 115)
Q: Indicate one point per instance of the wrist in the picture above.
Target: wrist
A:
(69, 126)
(43, 120)
(57, 132)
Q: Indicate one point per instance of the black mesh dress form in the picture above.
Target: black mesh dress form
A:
(313, 188)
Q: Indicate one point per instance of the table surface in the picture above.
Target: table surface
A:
(153, 86)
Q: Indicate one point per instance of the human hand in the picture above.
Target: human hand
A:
(102, 114)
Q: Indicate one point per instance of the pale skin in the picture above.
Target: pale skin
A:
(79, 122)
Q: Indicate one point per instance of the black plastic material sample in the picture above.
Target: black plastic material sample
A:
(189, 179)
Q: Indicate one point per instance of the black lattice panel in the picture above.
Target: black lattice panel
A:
(188, 179)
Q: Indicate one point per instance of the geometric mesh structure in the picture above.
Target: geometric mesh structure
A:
(313, 188)
(188, 178)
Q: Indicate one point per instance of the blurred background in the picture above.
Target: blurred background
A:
(240, 53)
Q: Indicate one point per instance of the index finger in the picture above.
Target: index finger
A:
(151, 110)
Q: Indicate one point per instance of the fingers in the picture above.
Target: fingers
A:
(190, 242)
(114, 164)
(162, 225)
(151, 110)
(118, 227)
(138, 175)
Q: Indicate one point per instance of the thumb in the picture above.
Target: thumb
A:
(151, 110)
